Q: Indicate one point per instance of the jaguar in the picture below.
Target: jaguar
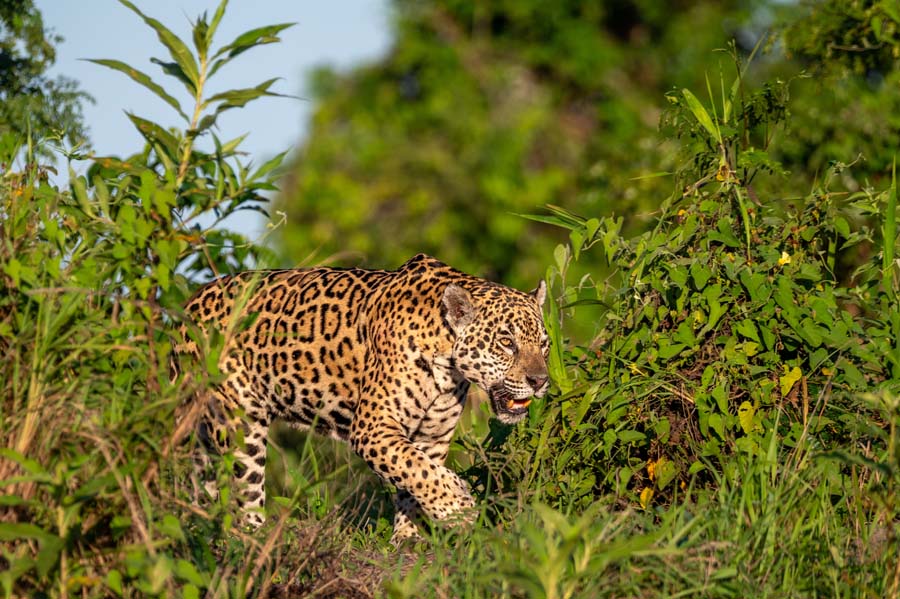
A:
(380, 359)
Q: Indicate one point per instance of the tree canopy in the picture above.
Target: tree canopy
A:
(28, 97)
(485, 110)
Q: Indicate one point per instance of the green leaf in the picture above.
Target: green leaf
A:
(214, 24)
(754, 283)
(29, 465)
(79, 188)
(556, 362)
(811, 333)
(724, 234)
(200, 35)
(668, 351)
(685, 334)
(114, 581)
(892, 9)
(631, 436)
(700, 273)
(13, 269)
(662, 427)
(237, 98)
(747, 328)
(247, 40)
(186, 571)
(171, 527)
(666, 471)
(226, 149)
(173, 70)
(678, 274)
(268, 167)
(717, 423)
(50, 544)
(561, 257)
(160, 572)
(701, 115)
(157, 136)
(177, 49)
(141, 78)
(576, 239)
(720, 394)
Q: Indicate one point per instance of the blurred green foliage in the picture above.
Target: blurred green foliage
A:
(30, 101)
(484, 110)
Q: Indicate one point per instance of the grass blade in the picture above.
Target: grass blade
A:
(889, 237)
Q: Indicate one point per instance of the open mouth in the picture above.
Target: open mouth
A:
(504, 402)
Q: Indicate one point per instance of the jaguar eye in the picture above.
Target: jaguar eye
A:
(507, 343)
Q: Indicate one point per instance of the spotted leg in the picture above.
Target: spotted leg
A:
(217, 432)
(250, 472)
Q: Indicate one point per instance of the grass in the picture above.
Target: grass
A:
(698, 472)
(797, 526)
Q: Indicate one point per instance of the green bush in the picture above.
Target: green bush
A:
(731, 325)
(93, 498)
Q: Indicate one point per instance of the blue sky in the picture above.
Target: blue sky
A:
(340, 33)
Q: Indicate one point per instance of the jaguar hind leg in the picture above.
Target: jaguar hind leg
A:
(244, 436)
(250, 472)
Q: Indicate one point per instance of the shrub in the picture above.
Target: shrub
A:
(738, 321)
(92, 275)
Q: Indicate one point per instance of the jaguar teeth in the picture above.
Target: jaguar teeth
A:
(520, 403)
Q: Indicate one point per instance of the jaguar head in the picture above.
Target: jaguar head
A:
(501, 344)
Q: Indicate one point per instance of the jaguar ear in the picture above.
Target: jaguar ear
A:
(540, 294)
(459, 309)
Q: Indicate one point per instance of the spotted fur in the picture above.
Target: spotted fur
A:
(380, 359)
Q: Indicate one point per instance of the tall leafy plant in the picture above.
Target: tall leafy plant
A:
(91, 275)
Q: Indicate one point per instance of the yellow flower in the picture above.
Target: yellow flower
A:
(646, 497)
(785, 259)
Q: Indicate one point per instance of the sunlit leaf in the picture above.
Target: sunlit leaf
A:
(247, 40)
(174, 70)
(141, 78)
(789, 379)
(746, 411)
(268, 166)
(177, 49)
(156, 135)
(237, 98)
(701, 115)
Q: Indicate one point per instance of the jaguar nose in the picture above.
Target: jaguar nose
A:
(537, 381)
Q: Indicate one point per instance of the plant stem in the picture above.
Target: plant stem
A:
(195, 119)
